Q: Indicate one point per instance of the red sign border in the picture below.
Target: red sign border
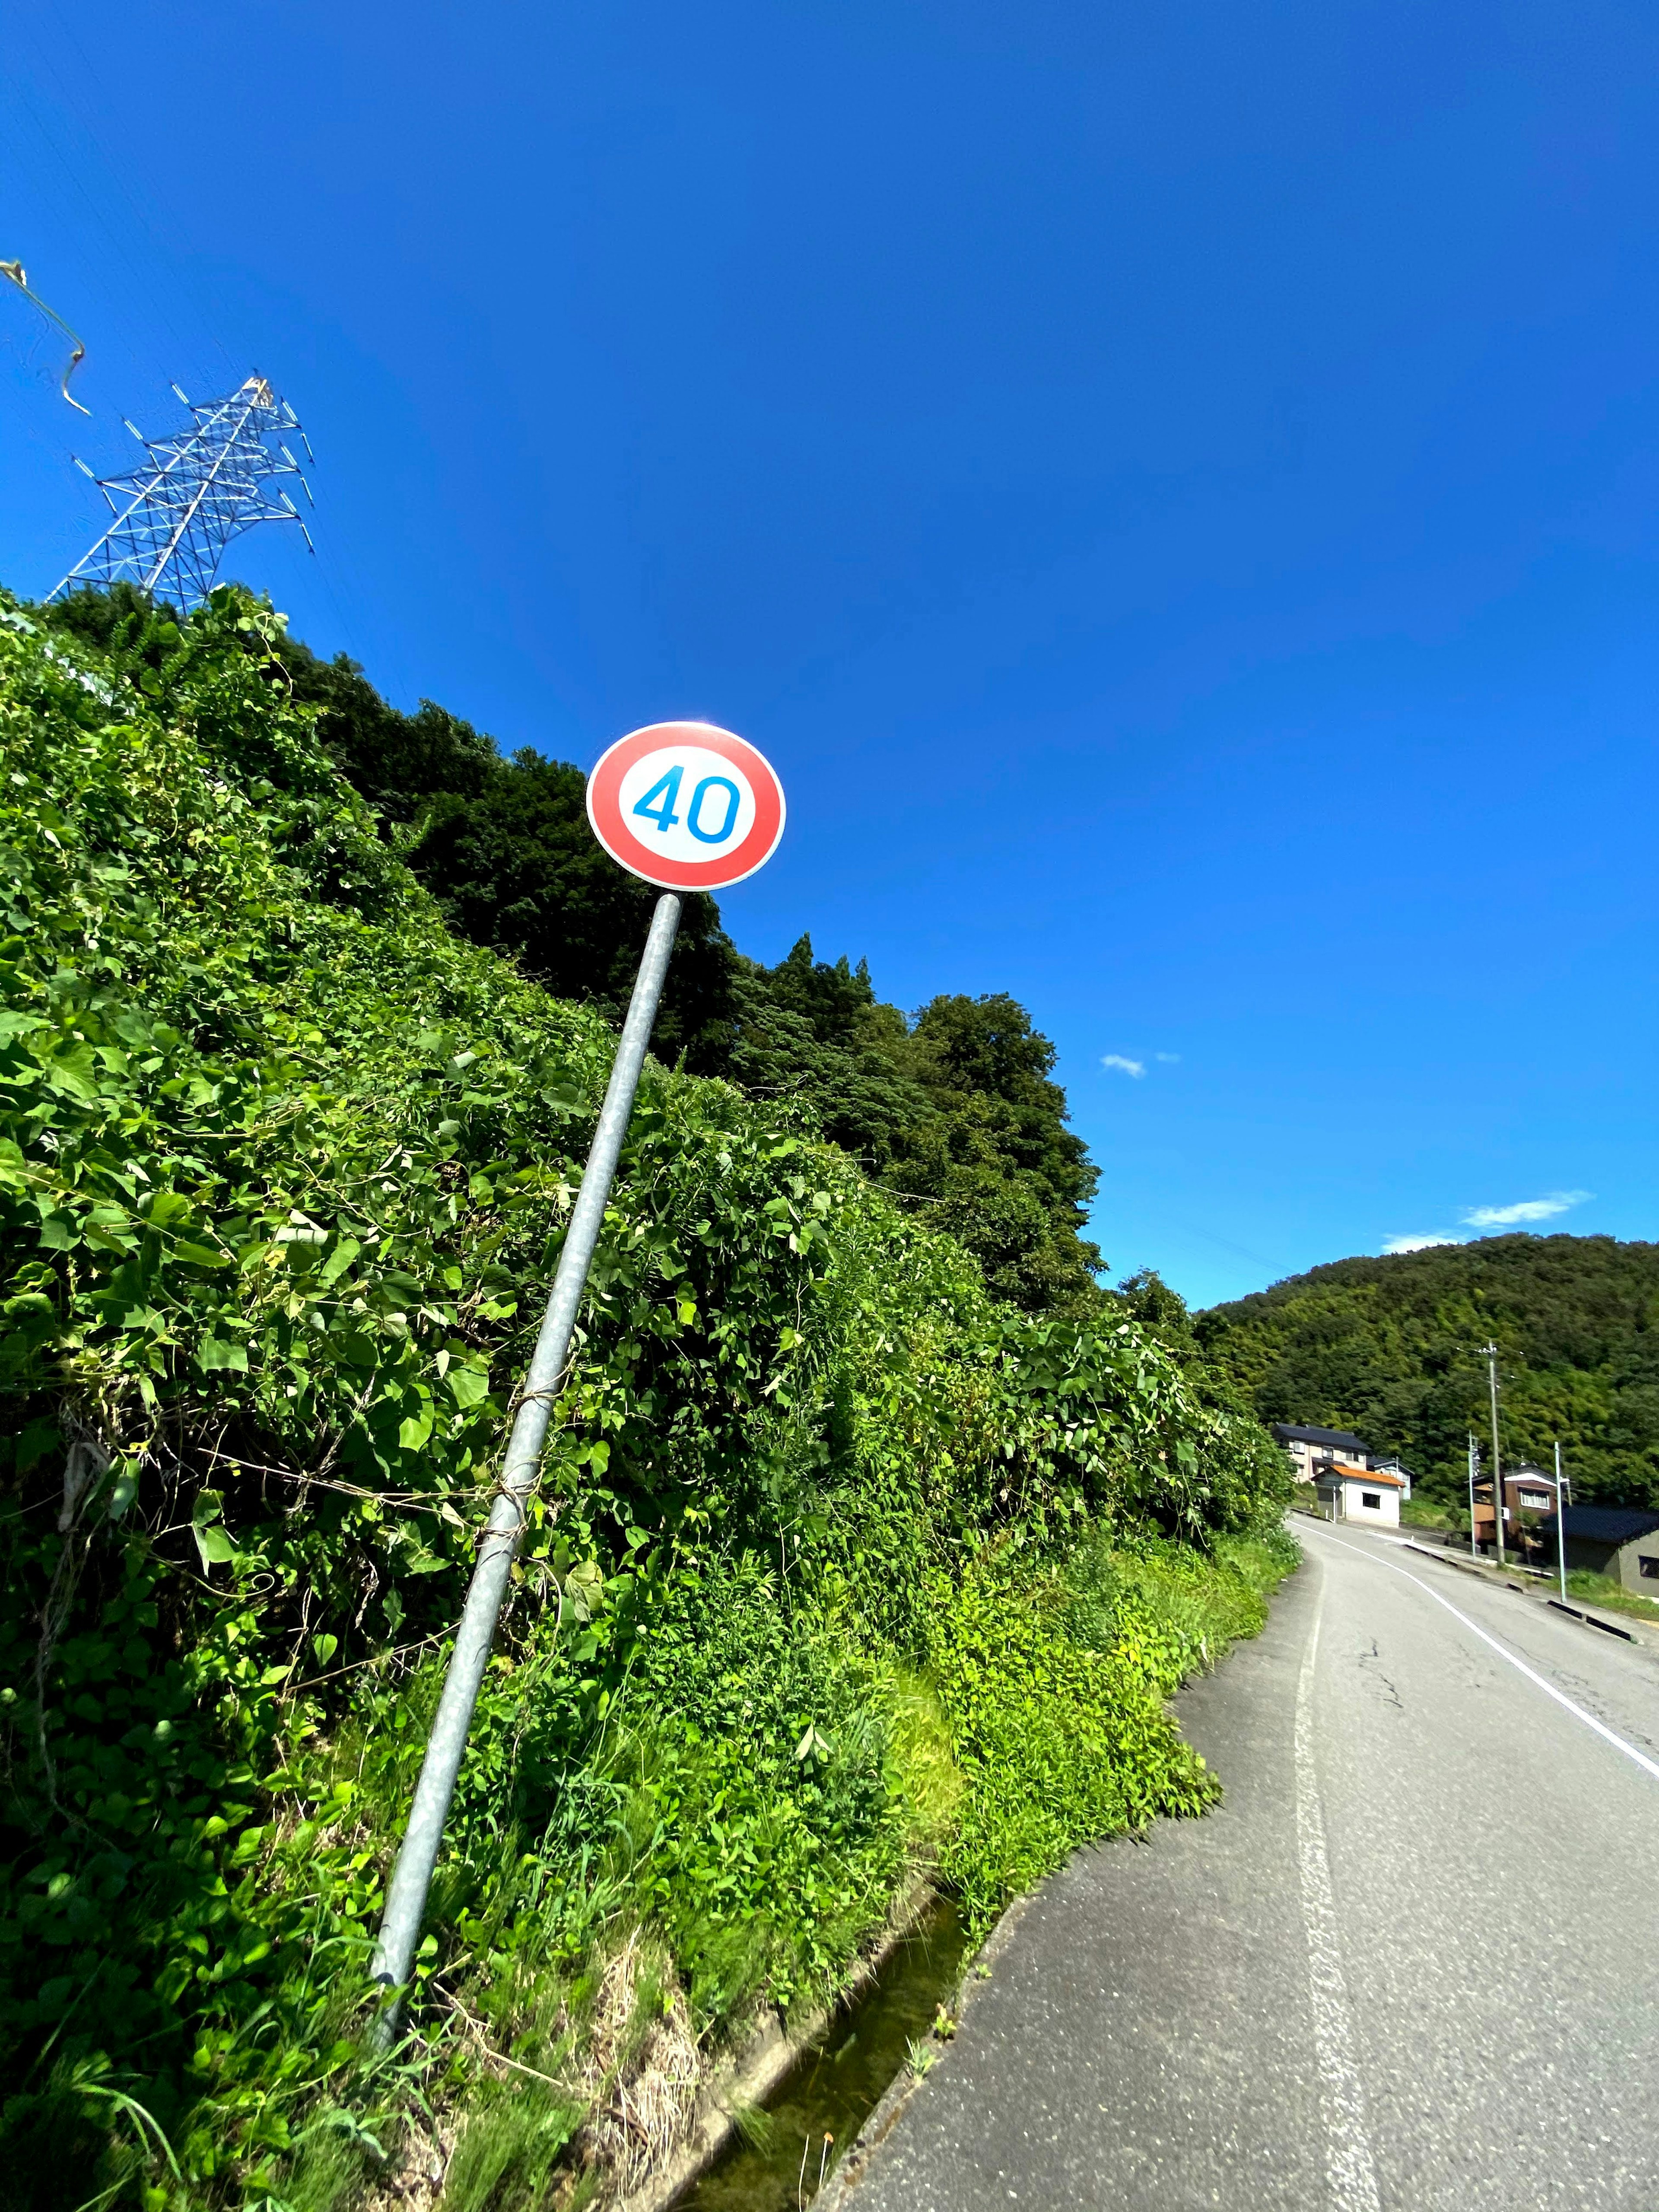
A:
(604, 808)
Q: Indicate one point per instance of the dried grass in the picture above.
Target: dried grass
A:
(639, 2068)
(413, 2180)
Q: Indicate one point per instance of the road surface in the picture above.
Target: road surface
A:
(1412, 1961)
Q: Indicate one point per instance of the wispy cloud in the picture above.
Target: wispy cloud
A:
(1528, 1209)
(1169, 1059)
(1417, 1244)
(1116, 1059)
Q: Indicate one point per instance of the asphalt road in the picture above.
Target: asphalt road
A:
(1412, 1961)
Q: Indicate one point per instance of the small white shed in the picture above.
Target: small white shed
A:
(1357, 1493)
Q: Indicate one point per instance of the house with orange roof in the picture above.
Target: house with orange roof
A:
(1361, 1493)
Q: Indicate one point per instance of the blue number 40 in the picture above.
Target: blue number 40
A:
(667, 789)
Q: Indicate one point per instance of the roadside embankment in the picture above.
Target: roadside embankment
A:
(840, 1574)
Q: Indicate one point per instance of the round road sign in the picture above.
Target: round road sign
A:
(686, 805)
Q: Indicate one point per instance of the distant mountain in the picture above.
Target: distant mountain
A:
(1387, 1348)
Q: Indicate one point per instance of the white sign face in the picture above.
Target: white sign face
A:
(685, 804)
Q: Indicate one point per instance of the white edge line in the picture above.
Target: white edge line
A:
(1349, 2165)
(1647, 1764)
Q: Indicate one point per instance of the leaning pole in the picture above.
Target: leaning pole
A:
(711, 811)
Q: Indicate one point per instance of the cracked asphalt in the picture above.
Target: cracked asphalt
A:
(1413, 1964)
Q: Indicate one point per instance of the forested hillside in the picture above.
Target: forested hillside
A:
(845, 1572)
(953, 1112)
(1388, 1348)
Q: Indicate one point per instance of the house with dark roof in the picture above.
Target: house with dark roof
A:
(1619, 1542)
(1315, 1452)
(1326, 1442)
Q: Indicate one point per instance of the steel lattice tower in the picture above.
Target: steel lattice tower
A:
(196, 493)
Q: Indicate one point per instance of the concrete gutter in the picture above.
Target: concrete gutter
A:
(749, 2077)
(881, 2122)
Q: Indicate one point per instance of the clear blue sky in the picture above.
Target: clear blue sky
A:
(1174, 486)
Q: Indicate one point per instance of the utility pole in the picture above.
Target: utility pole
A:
(1474, 1469)
(1489, 1353)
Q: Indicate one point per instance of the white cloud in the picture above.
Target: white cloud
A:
(1136, 1067)
(1417, 1244)
(1169, 1059)
(1528, 1209)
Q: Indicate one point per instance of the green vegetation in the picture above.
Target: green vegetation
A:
(953, 1111)
(1612, 1596)
(1387, 1348)
(1420, 1512)
(843, 1568)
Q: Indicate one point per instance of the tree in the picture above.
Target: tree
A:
(956, 1111)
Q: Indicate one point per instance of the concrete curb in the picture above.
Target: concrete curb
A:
(1637, 1632)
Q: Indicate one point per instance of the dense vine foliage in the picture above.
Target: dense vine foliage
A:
(954, 1108)
(284, 1170)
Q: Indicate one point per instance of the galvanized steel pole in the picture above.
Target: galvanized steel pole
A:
(1490, 1352)
(405, 1903)
(1560, 1526)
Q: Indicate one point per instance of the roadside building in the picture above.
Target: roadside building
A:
(1314, 1452)
(1619, 1542)
(1396, 1466)
(1358, 1493)
(1311, 1450)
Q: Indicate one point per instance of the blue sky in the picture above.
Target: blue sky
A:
(1174, 488)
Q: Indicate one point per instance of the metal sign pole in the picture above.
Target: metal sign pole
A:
(411, 1877)
(1489, 1354)
(1560, 1527)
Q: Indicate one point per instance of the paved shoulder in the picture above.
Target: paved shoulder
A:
(1406, 1964)
(1117, 2055)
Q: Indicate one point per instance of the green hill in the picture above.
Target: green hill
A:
(844, 1571)
(1387, 1348)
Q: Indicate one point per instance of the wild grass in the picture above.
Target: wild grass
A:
(1610, 1596)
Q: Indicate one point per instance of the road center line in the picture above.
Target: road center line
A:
(1348, 2149)
(1647, 1764)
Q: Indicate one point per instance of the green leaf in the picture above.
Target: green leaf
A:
(338, 1260)
(468, 1386)
(215, 1547)
(415, 1429)
(216, 1354)
(74, 1071)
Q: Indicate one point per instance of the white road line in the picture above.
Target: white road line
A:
(1647, 1764)
(1348, 2148)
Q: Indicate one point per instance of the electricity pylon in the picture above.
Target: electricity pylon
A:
(194, 494)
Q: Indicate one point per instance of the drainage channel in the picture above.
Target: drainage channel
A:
(836, 2088)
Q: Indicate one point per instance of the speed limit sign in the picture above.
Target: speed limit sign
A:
(687, 805)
